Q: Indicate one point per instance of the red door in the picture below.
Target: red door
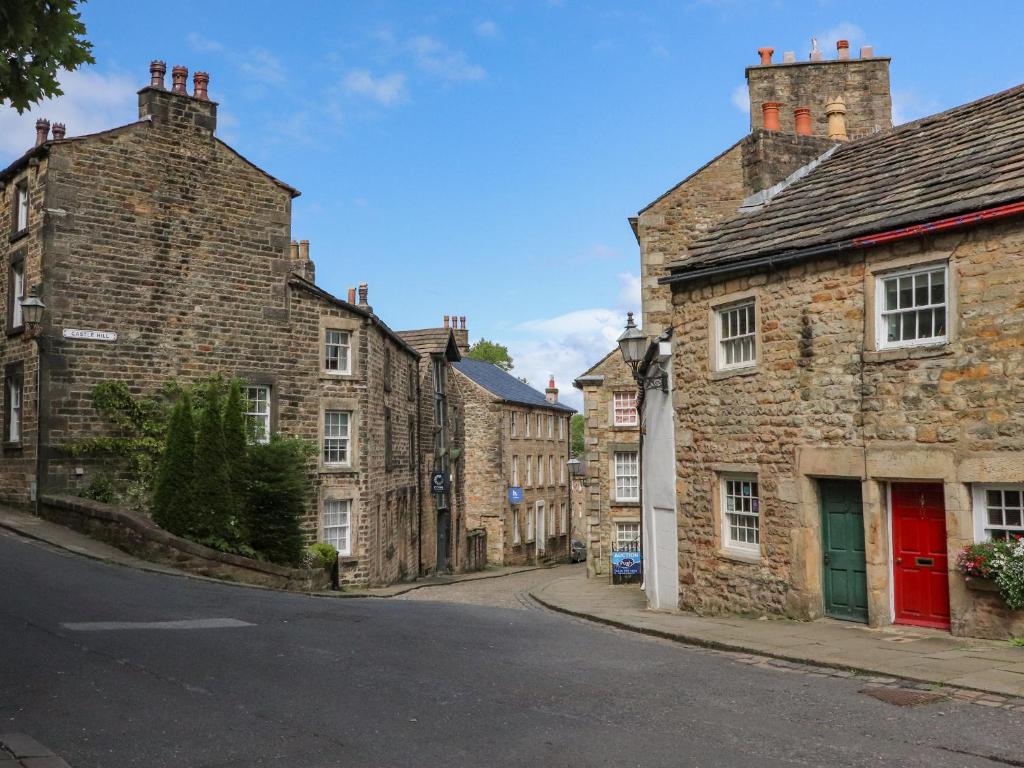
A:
(920, 565)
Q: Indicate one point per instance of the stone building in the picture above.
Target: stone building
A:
(611, 460)
(444, 534)
(851, 379)
(517, 440)
(160, 252)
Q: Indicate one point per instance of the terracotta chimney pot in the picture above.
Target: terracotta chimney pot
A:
(835, 110)
(446, 321)
(867, 51)
(157, 70)
(802, 120)
(462, 321)
(766, 55)
(789, 57)
(179, 75)
(843, 47)
(363, 288)
(58, 131)
(770, 114)
(200, 83)
(351, 295)
(42, 130)
(551, 383)
(293, 250)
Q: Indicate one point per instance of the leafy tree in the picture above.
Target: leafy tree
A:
(38, 38)
(278, 489)
(576, 430)
(491, 352)
(174, 506)
(215, 503)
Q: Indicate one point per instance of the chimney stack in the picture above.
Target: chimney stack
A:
(294, 250)
(363, 288)
(462, 321)
(867, 51)
(304, 250)
(200, 83)
(551, 393)
(157, 70)
(770, 112)
(58, 131)
(802, 120)
(446, 321)
(766, 56)
(843, 47)
(42, 130)
(815, 50)
(179, 75)
(835, 110)
(789, 57)
(351, 295)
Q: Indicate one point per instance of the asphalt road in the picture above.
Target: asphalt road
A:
(305, 682)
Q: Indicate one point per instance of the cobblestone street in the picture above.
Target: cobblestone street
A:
(503, 592)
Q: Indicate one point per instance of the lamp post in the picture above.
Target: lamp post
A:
(32, 309)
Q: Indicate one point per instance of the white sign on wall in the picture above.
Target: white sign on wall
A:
(79, 333)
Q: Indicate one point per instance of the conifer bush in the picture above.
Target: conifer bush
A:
(214, 499)
(278, 490)
(174, 489)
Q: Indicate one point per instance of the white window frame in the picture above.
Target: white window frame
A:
(515, 471)
(336, 438)
(566, 522)
(621, 526)
(882, 313)
(529, 472)
(517, 534)
(551, 427)
(619, 459)
(743, 339)
(343, 346)
(530, 524)
(527, 424)
(540, 471)
(514, 424)
(551, 470)
(624, 413)
(561, 427)
(14, 414)
(17, 294)
(254, 416)
(980, 506)
(561, 472)
(553, 522)
(21, 207)
(339, 532)
(732, 493)
(540, 511)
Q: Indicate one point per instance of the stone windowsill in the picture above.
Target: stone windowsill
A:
(749, 370)
(19, 234)
(347, 561)
(326, 376)
(9, 446)
(739, 555)
(616, 503)
(16, 331)
(906, 353)
(329, 470)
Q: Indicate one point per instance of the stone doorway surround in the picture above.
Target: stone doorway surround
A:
(876, 466)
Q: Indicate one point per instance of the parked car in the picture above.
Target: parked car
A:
(577, 552)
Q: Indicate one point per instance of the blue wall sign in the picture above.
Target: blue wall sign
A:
(515, 495)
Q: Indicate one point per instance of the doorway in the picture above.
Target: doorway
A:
(920, 563)
(844, 567)
(444, 532)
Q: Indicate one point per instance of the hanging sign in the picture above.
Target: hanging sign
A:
(515, 495)
(438, 482)
(87, 335)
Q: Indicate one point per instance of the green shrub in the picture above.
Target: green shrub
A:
(321, 555)
(236, 446)
(278, 488)
(174, 507)
(100, 488)
(216, 507)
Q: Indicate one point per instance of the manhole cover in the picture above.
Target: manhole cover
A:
(904, 697)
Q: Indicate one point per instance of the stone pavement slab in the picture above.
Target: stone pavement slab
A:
(393, 590)
(912, 653)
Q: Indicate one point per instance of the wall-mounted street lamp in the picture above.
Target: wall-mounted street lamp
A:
(633, 345)
(32, 309)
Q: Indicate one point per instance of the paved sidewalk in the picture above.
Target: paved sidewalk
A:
(56, 535)
(910, 653)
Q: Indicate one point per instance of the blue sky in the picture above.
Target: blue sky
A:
(481, 158)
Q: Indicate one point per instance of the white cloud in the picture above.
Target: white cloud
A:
(92, 102)
(261, 65)
(487, 28)
(844, 30)
(438, 59)
(740, 98)
(909, 105)
(566, 345)
(385, 90)
(201, 43)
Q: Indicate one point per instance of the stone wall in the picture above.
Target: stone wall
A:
(863, 84)
(824, 402)
(140, 537)
(486, 490)
(601, 440)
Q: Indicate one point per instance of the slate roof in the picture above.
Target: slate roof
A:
(432, 341)
(965, 159)
(505, 386)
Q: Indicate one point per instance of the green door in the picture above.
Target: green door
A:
(842, 543)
